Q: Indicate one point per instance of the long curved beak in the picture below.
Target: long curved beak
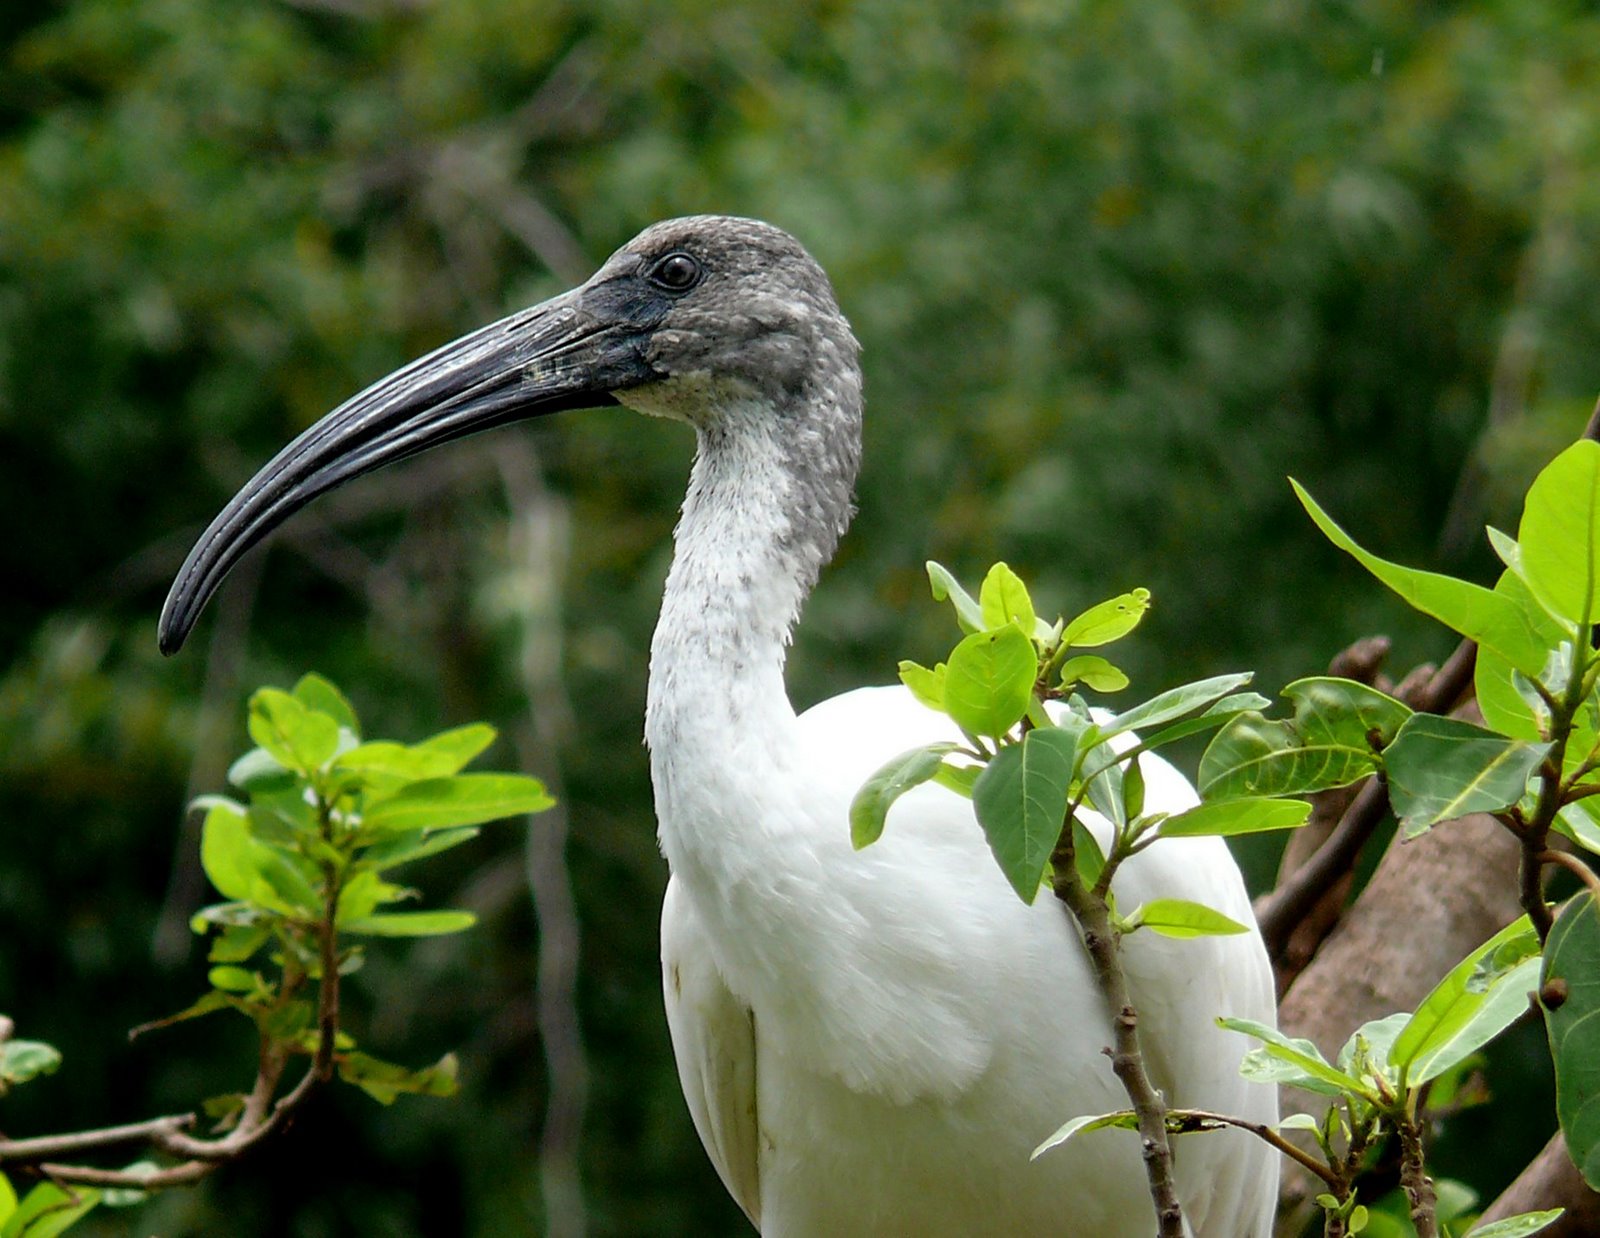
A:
(547, 359)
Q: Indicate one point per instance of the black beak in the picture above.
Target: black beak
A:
(556, 356)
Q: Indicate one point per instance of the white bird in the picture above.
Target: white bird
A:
(870, 1043)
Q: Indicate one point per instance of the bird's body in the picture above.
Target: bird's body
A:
(869, 1042)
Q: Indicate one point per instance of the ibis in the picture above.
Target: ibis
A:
(872, 1042)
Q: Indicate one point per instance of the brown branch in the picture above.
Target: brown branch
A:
(1094, 920)
(260, 1117)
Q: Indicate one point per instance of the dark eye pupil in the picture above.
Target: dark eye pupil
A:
(677, 271)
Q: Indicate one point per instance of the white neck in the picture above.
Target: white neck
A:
(719, 723)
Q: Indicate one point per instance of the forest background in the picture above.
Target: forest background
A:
(1118, 269)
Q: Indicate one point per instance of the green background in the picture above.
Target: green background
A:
(1118, 269)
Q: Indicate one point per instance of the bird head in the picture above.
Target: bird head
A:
(694, 319)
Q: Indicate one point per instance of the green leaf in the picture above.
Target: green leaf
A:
(1175, 702)
(1560, 534)
(8, 1199)
(870, 808)
(989, 681)
(48, 1210)
(1518, 1226)
(1490, 619)
(1021, 802)
(398, 761)
(1107, 621)
(233, 979)
(298, 738)
(315, 692)
(259, 772)
(1572, 962)
(1463, 1013)
(968, 613)
(225, 851)
(927, 686)
(1504, 707)
(414, 845)
(1578, 822)
(1092, 669)
(1241, 815)
(1177, 917)
(21, 1060)
(1328, 743)
(465, 799)
(1443, 768)
(460, 744)
(1087, 857)
(235, 944)
(1371, 1041)
(1228, 708)
(384, 1081)
(1132, 789)
(1126, 1119)
(958, 778)
(1003, 599)
(1307, 1068)
(363, 894)
(411, 923)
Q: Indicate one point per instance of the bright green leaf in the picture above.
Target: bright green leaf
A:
(1242, 815)
(1519, 1226)
(1462, 1013)
(1126, 1119)
(384, 1081)
(259, 771)
(411, 923)
(1003, 599)
(298, 738)
(958, 778)
(465, 799)
(1560, 534)
(989, 681)
(1308, 1068)
(21, 1060)
(870, 808)
(1092, 669)
(49, 1210)
(233, 979)
(1442, 768)
(315, 692)
(460, 744)
(1490, 619)
(414, 845)
(1177, 917)
(1175, 702)
(927, 686)
(1107, 621)
(968, 613)
(1504, 708)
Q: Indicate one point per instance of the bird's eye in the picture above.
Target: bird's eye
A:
(676, 273)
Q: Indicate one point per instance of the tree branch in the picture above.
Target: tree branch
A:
(1094, 920)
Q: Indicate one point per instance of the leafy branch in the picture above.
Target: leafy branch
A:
(303, 861)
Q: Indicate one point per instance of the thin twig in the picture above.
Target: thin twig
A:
(1184, 1121)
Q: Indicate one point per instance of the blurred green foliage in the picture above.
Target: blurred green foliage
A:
(1117, 268)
